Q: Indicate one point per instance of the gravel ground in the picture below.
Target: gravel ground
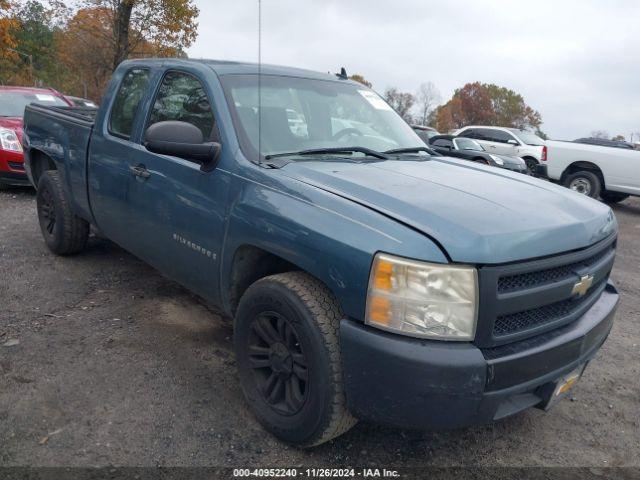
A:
(105, 362)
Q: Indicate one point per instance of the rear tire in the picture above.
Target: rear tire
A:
(64, 232)
(289, 362)
(584, 182)
(613, 197)
(532, 165)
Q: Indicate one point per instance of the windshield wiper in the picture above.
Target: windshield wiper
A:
(411, 150)
(334, 150)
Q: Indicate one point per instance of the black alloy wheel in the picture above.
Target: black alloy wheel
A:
(47, 211)
(279, 363)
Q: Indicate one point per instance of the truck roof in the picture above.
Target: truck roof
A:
(225, 67)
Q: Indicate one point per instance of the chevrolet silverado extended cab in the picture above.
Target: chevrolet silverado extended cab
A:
(367, 278)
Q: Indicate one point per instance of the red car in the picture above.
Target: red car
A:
(12, 103)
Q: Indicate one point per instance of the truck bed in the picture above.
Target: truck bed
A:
(82, 114)
(63, 134)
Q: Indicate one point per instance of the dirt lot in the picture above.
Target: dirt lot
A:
(105, 362)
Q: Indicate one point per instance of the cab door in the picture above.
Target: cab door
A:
(179, 210)
(500, 142)
(111, 155)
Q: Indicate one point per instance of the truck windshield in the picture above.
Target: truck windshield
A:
(287, 114)
(12, 103)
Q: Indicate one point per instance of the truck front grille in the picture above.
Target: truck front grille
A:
(551, 313)
(512, 283)
(526, 299)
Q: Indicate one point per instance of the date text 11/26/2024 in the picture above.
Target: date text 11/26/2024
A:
(316, 472)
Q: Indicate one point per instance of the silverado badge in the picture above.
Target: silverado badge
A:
(583, 285)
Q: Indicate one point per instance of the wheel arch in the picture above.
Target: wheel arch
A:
(580, 166)
(39, 162)
(248, 265)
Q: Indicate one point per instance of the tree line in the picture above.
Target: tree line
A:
(75, 48)
(474, 103)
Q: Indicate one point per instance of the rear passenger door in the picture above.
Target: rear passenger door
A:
(110, 157)
(497, 141)
(178, 208)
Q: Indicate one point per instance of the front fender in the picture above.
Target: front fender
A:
(330, 237)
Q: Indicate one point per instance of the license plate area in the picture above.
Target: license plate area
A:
(553, 392)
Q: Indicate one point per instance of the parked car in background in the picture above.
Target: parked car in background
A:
(593, 170)
(81, 102)
(603, 142)
(13, 100)
(424, 132)
(508, 141)
(469, 149)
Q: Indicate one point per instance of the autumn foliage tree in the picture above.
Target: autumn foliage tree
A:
(75, 48)
(162, 26)
(8, 24)
(486, 104)
(356, 77)
(401, 102)
(86, 47)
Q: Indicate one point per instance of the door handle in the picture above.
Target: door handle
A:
(140, 171)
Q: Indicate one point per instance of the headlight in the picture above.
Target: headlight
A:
(497, 159)
(420, 299)
(9, 140)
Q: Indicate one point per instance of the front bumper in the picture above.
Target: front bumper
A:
(413, 383)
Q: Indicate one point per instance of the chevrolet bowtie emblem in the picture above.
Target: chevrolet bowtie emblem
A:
(583, 285)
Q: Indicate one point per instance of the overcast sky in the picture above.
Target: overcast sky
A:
(576, 62)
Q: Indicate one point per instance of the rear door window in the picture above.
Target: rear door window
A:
(497, 136)
(470, 133)
(125, 107)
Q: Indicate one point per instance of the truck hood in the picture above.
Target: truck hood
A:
(477, 214)
(12, 123)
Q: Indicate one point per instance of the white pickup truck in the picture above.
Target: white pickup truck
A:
(612, 174)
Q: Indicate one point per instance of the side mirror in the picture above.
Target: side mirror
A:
(513, 142)
(184, 140)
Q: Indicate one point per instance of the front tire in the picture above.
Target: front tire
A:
(288, 354)
(613, 197)
(584, 182)
(64, 232)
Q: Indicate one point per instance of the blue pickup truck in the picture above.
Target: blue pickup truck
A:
(367, 276)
